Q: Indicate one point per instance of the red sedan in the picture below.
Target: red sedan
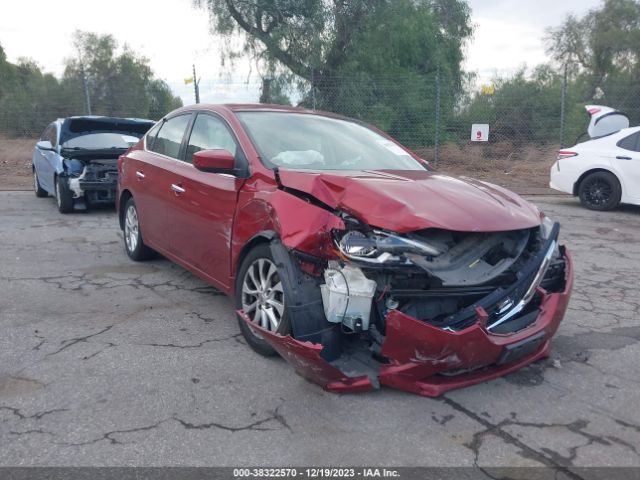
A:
(345, 253)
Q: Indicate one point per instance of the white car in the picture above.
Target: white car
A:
(604, 171)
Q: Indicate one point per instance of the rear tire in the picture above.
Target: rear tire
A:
(260, 293)
(600, 191)
(40, 192)
(64, 198)
(133, 243)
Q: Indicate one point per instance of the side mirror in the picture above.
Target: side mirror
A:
(44, 145)
(214, 161)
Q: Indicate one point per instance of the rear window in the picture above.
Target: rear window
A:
(101, 141)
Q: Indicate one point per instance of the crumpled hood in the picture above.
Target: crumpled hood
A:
(406, 201)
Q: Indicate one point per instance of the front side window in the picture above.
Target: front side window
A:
(45, 134)
(50, 134)
(53, 136)
(209, 133)
(170, 136)
(314, 142)
(631, 142)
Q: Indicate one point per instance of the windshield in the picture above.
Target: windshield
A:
(101, 141)
(313, 142)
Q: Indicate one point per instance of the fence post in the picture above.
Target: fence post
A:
(436, 153)
(563, 107)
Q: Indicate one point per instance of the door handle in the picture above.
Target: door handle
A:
(177, 188)
(139, 174)
(623, 158)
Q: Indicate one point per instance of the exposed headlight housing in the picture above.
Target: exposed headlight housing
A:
(546, 227)
(378, 247)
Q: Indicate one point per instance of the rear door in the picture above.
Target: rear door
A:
(627, 161)
(203, 204)
(151, 178)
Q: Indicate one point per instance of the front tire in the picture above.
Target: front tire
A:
(133, 243)
(600, 191)
(40, 192)
(64, 198)
(260, 294)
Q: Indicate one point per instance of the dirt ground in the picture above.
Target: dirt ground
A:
(525, 170)
(15, 163)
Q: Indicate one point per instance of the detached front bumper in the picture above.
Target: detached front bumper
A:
(430, 361)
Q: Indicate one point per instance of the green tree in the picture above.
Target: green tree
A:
(603, 45)
(120, 83)
(376, 60)
(28, 97)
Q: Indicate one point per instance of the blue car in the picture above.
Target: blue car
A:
(76, 159)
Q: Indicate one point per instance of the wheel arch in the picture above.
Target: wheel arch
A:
(266, 236)
(576, 185)
(123, 199)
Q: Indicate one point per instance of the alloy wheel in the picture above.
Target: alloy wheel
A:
(263, 295)
(131, 228)
(598, 192)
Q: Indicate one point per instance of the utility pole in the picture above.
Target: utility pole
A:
(87, 99)
(196, 86)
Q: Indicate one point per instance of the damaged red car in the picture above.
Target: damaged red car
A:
(346, 253)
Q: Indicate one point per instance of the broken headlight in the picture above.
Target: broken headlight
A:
(377, 246)
(546, 227)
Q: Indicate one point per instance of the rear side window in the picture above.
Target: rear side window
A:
(170, 136)
(632, 142)
(209, 133)
(151, 136)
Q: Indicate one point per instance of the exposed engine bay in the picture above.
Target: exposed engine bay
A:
(437, 275)
(92, 175)
(448, 280)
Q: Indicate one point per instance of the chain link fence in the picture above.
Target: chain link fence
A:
(528, 119)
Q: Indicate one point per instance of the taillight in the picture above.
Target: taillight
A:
(566, 154)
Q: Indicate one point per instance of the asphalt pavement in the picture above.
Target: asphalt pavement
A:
(106, 362)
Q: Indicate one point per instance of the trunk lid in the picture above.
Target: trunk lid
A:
(605, 121)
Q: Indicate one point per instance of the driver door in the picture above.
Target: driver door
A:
(203, 204)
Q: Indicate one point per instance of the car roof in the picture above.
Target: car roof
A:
(257, 107)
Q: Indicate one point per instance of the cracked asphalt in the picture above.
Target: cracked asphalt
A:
(105, 362)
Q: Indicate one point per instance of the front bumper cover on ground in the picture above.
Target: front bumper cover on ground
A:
(430, 361)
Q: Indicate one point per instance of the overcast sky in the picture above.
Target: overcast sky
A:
(173, 35)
